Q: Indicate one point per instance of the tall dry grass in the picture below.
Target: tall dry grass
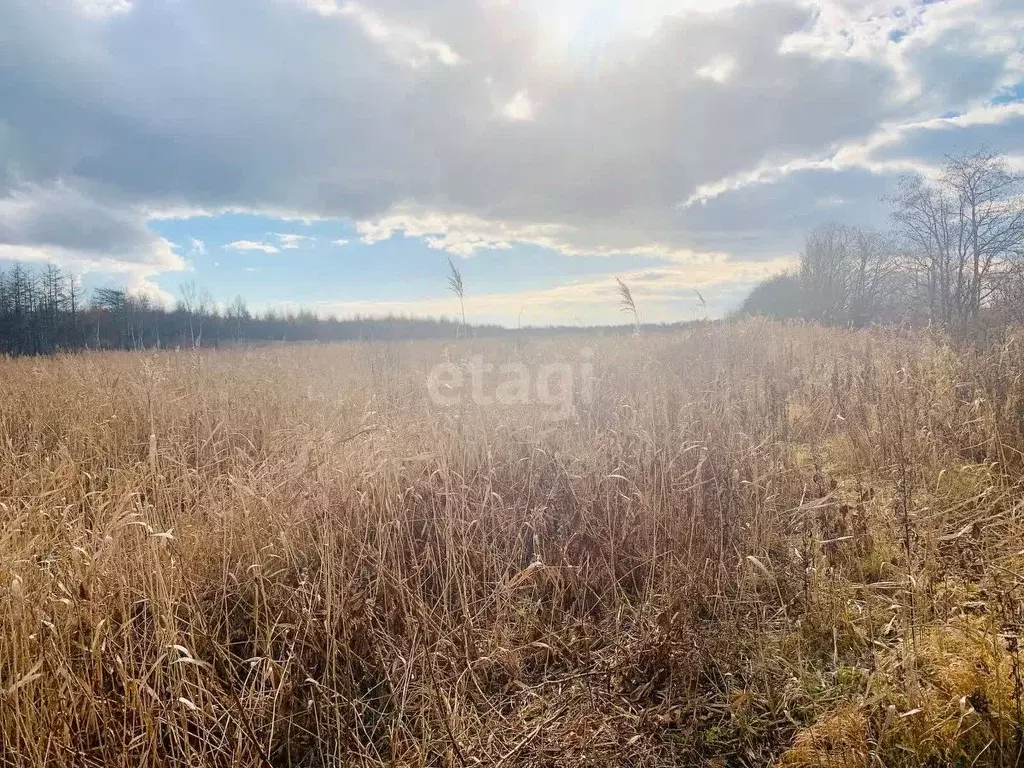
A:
(757, 543)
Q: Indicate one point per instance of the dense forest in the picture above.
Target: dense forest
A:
(953, 256)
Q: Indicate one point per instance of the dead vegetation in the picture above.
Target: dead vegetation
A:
(757, 544)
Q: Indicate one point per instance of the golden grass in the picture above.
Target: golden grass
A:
(758, 543)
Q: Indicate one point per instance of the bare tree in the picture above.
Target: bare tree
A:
(197, 305)
(962, 232)
(238, 313)
(874, 275)
(990, 203)
(847, 275)
(206, 308)
(824, 273)
(187, 304)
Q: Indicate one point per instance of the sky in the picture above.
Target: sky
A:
(333, 154)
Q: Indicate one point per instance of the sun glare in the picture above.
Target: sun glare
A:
(586, 28)
(579, 24)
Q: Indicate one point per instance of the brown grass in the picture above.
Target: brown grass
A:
(757, 544)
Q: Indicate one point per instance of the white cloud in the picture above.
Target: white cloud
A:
(197, 246)
(143, 285)
(407, 43)
(341, 242)
(252, 245)
(719, 69)
(292, 241)
(137, 278)
(98, 9)
(464, 234)
(830, 201)
(861, 154)
(59, 224)
(519, 107)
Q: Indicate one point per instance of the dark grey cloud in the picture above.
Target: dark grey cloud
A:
(776, 217)
(64, 218)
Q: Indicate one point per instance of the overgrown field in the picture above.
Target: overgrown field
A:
(754, 544)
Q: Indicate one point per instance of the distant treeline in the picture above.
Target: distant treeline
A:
(44, 311)
(954, 256)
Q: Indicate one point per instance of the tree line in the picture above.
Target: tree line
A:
(44, 311)
(953, 256)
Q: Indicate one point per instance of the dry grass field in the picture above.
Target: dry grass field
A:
(755, 544)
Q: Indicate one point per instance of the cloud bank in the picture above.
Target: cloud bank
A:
(697, 132)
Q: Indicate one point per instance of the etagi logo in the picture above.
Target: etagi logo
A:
(553, 387)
